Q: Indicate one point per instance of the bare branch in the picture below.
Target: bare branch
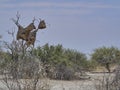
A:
(33, 20)
(11, 33)
(17, 21)
(18, 16)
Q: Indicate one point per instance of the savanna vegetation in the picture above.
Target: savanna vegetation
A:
(51, 61)
(58, 62)
(19, 60)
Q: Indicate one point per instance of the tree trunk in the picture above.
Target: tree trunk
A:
(108, 67)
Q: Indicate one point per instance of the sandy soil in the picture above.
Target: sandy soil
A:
(71, 85)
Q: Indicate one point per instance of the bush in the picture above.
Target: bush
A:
(116, 81)
(64, 73)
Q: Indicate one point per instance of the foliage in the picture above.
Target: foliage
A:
(92, 65)
(106, 56)
(57, 58)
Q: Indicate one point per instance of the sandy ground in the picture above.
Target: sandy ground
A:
(64, 85)
(70, 85)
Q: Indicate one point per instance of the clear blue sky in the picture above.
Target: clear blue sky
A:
(77, 24)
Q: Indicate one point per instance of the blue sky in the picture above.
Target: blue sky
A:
(77, 24)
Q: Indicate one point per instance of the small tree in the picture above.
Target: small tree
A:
(106, 56)
(18, 62)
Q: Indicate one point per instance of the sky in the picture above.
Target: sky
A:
(83, 25)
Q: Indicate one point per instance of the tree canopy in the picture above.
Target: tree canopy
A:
(106, 56)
